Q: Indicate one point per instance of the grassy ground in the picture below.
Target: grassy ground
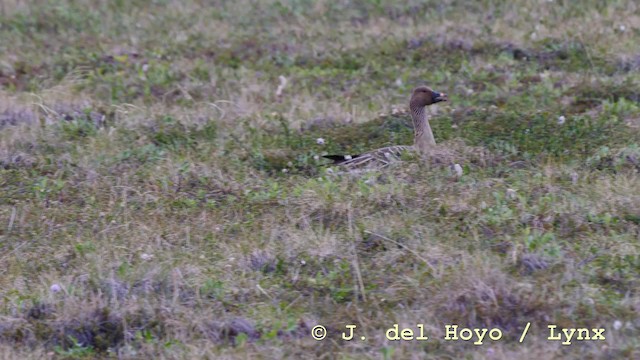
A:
(161, 195)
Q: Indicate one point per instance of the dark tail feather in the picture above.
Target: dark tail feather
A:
(339, 159)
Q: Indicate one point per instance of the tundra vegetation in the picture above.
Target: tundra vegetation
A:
(162, 194)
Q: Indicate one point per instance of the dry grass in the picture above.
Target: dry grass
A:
(161, 193)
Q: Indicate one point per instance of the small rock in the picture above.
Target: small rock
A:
(242, 326)
(533, 262)
(574, 178)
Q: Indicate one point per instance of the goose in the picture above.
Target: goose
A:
(423, 140)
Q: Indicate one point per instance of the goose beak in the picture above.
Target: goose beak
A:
(437, 97)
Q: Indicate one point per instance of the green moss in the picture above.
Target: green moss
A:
(180, 190)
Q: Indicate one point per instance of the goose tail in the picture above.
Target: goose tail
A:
(339, 159)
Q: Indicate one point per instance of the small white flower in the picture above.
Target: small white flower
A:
(290, 164)
(316, 157)
(320, 141)
(285, 170)
(145, 67)
(399, 82)
(55, 288)
(622, 28)
(561, 119)
(457, 170)
(617, 325)
(145, 256)
(347, 157)
(454, 126)
(511, 194)
(302, 262)
(281, 86)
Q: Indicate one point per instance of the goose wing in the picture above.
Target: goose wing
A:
(376, 158)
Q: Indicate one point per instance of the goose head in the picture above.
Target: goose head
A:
(423, 96)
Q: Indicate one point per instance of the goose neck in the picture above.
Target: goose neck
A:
(423, 135)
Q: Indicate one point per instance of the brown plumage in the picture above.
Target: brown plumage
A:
(423, 139)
